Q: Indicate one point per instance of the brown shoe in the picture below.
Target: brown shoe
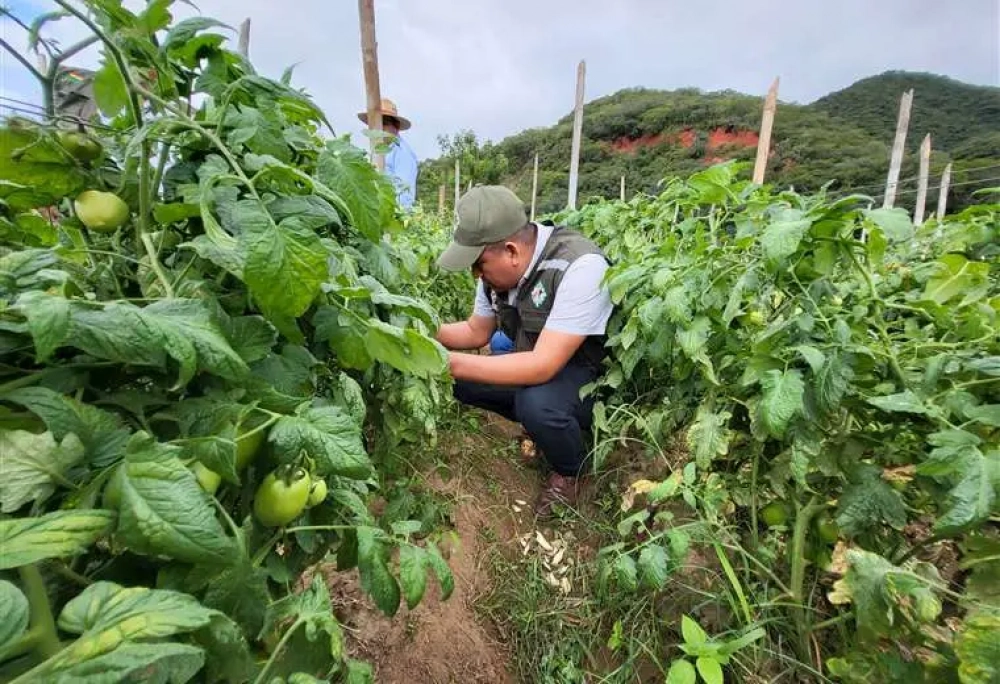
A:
(558, 489)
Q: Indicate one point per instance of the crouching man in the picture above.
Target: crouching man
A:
(542, 286)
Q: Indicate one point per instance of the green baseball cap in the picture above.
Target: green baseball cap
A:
(486, 214)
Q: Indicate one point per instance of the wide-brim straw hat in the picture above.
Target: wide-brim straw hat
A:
(388, 108)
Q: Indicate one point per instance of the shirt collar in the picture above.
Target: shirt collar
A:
(544, 233)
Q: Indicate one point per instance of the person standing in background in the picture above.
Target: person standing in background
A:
(400, 161)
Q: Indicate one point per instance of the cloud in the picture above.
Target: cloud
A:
(499, 66)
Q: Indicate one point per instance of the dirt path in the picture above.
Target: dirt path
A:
(446, 641)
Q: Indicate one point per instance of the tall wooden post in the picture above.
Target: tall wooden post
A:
(764, 141)
(244, 42)
(898, 148)
(574, 160)
(441, 192)
(942, 205)
(458, 183)
(369, 53)
(925, 172)
(534, 188)
(621, 192)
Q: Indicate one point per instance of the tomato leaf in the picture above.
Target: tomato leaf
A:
(978, 648)
(53, 535)
(832, 382)
(164, 511)
(240, 592)
(782, 400)
(373, 568)
(345, 169)
(405, 349)
(48, 320)
(285, 263)
(782, 236)
(625, 573)
(653, 567)
(101, 432)
(868, 502)
(956, 276)
(328, 435)
(902, 402)
(185, 30)
(412, 573)
(33, 465)
(884, 594)
(110, 92)
(227, 653)
(444, 575)
(346, 336)
(14, 608)
(708, 436)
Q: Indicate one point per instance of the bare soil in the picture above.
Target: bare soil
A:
(445, 641)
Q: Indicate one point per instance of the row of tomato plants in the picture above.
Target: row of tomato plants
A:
(832, 373)
(205, 362)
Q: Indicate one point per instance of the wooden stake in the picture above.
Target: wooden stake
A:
(764, 141)
(369, 53)
(898, 149)
(621, 194)
(441, 192)
(458, 183)
(943, 196)
(574, 160)
(534, 187)
(925, 170)
(244, 42)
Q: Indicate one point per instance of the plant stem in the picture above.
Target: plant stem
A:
(803, 518)
(116, 55)
(262, 677)
(71, 574)
(24, 62)
(41, 611)
(754, 499)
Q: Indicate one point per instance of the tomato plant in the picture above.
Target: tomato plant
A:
(201, 290)
(834, 371)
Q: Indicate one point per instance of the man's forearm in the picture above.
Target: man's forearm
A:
(519, 368)
(461, 335)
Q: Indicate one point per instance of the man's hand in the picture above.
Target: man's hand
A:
(473, 333)
(551, 354)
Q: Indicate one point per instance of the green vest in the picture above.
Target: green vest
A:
(523, 321)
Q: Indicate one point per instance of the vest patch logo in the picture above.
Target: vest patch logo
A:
(538, 295)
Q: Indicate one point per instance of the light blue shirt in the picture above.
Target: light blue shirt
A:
(401, 167)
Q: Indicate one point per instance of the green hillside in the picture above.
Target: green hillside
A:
(646, 135)
(951, 111)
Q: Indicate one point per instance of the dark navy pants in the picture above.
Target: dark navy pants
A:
(552, 414)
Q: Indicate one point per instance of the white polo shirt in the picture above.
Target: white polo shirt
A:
(582, 305)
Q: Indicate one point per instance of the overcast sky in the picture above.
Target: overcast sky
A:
(500, 66)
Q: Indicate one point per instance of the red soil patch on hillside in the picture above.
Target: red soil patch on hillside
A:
(625, 145)
(721, 137)
(717, 138)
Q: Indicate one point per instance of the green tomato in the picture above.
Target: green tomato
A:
(247, 445)
(317, 494)
(101, 212)
(282, 496)
(207, 478)
(81, 146)
(828, 529)
(836, 300)
(112, 498)
(774, 514)
(756, 317)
